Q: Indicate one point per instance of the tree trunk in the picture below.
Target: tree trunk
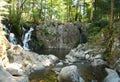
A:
(76, 11)
(111, 14)
(110, 39)
(51, 11)
(92, 10)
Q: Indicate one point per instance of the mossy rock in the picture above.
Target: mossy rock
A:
(44, 76)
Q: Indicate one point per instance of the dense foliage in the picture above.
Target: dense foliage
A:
(36, 11)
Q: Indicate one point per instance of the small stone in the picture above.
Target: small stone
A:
(87, 56)
(26, 63)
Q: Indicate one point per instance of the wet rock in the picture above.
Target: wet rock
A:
(97, 62)
(59, 63)
(69, 74)
(112, 76)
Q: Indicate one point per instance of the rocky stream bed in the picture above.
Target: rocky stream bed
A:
(81, 64)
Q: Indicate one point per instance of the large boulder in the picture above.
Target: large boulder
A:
(5, 76)
(54, 35)
(117, 65)
(69, 74)
(15, 69)
(112, 76)
(25, 62)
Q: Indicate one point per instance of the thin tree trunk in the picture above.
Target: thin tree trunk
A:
(111, 14)
(92, 10)
(110, 38)
(76, 10)
(45, 10)
(69, 11)
(51, 11)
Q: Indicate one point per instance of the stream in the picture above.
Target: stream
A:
(88, 72)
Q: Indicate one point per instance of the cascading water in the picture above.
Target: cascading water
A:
(12, 39)
(27, 38)
(11, 36)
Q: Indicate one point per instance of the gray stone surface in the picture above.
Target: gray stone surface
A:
(82, 51)
(58, 36)
(112, 76)
(5, 76)
(15, 69)
(22, 78)
(117, 65)
(69, 74)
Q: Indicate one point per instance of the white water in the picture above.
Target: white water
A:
(12, 39)
(27, 38)
(60, 30)
(11, 36)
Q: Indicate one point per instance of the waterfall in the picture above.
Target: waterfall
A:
(60, 30)
(27, 38)
(11, 37)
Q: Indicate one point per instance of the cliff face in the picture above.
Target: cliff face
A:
(61, 35)
(58, 36)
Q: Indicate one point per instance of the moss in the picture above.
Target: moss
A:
(46, 76)
(108, 44)
(105, 38)
(40, 43)
(10, 56)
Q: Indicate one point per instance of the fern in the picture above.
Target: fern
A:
(3, 10)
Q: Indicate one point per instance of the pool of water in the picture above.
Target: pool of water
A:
(60, 53)
(88, 72)
(91, 73)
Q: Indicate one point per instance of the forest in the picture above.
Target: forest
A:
(59, 41)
